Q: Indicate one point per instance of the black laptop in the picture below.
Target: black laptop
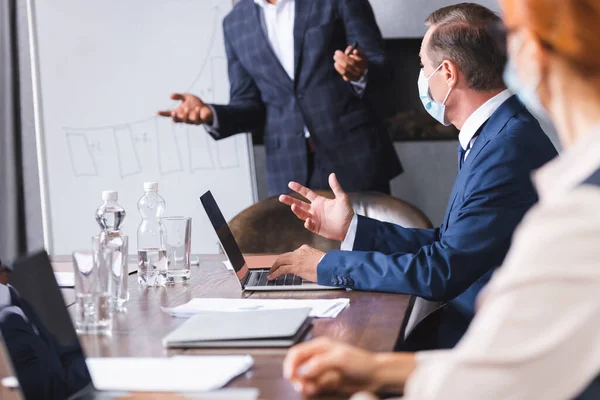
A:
(41, 343)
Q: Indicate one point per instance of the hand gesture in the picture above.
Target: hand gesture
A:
(329, 218)
(192, 110)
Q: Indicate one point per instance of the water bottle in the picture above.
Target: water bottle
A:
(113, 247)
(151, 236)
(110, 214)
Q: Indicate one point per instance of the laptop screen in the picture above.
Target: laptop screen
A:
(230, 246)
(38, 333)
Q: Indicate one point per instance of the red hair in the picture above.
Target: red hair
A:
(569, 28)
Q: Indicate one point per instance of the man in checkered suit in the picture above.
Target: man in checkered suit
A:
(294, 78)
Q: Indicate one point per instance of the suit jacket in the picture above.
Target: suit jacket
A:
(347, 135)
(45, 368)
(492, 192)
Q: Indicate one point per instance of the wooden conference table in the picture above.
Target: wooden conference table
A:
(372, 322)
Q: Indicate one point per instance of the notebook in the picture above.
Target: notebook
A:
(264, 328)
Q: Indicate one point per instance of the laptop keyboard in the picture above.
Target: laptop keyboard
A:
(259, 278)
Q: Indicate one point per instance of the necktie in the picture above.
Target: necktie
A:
(462, 152)
(461, 156)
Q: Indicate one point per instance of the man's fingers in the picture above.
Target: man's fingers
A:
(304, 191)
(290, 201)
(339, 69)
(347, 73)
(300, 353)
(165, 113)
(352, 70)
(284, 269)
(281, 261)
(177, 96)
(357, 55)
(195, 115)
(186, 115)
(180, 114)
(310, 225)
(300, 213)
(206, 115)
(345, 60)
(335, 186)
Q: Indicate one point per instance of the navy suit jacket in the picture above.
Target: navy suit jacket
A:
(45, 368)
(348, 137)
(452, 263)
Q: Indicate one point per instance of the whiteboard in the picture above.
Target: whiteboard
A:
(102, 70)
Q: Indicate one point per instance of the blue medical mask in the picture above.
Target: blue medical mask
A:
(435, 109)
(526, 92)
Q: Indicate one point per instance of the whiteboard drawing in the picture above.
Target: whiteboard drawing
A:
(80, 153)
(129, 159)
(200, 146)
(168, 150)
(179, 148)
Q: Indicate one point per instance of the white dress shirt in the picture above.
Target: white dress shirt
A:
(535, 335)
(466, 138)
(278, 20)
(6, 306)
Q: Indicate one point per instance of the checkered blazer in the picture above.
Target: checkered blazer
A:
(348, 137)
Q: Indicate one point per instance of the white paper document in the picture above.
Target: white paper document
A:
(65, 279)
(173, 374)
(321, 308)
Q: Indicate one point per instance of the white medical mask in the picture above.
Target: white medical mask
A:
(435, 109)
(526, 92)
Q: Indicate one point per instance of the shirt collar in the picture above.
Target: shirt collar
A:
(5, 299)
(572, 167)
(265, 3)
(478, 118)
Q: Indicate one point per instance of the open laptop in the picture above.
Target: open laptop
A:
(43, 349)
(250, 279)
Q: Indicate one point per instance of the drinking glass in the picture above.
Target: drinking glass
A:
(93, 313)
(179, 243)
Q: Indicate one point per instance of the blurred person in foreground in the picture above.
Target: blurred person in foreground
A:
(535, 335)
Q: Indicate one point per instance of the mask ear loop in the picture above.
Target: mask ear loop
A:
(433, 73)
(429, 87)
(447, 94)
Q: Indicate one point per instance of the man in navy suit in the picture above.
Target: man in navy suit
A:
(290, 80)
(501, 143)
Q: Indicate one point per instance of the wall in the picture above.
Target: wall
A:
(404, 18)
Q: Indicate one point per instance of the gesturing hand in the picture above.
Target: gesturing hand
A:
(192, 110)
(329, 218)
(350, 66)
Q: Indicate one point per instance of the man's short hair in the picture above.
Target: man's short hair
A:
(465, 35)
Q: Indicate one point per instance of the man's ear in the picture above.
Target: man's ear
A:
(450, 73)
